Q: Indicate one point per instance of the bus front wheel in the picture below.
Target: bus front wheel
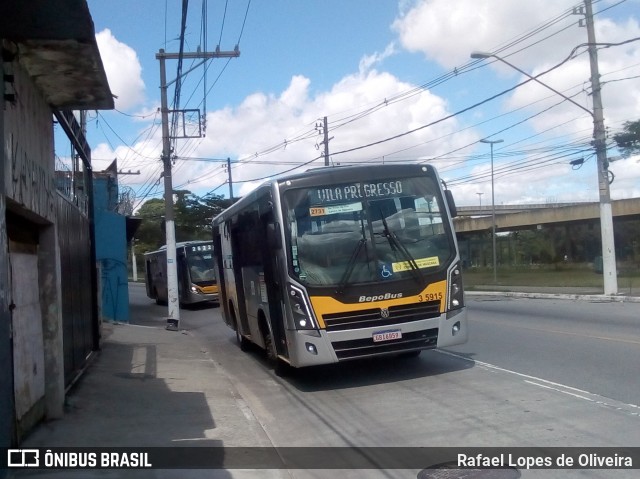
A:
(279, 366)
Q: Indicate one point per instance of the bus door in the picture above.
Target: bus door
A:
(237, 258)
(260, 288)
(269, 230)
(227, 259)
(219, 267)
(149, 277)
(184, 279)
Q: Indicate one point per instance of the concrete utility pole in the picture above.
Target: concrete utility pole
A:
(493, 214)
(609, 268)
(173, 301)
(325, 139)
(134, 264)
(326, 143)
(230, 180)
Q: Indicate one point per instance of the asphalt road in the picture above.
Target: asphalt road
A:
(535, 373)
(592, 346)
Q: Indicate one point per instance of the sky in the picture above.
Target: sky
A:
(394, 79)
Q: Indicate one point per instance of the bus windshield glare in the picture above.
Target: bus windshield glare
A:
(366, 231)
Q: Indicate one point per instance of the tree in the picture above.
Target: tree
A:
(192, 215)
(150, 234)
(628, 140)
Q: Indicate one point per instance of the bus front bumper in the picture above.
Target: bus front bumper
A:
(322, 347)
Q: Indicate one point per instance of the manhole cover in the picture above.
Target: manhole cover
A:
(451, 470)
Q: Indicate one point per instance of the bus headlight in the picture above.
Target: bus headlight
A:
(456, 293)
(194, 289)
(302, 316)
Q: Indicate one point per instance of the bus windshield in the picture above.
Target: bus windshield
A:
(367, 231)
(200, 262)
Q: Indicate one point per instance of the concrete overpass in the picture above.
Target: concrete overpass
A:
(503, 209)
(529, 216)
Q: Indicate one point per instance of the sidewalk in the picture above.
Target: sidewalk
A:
(149, 387)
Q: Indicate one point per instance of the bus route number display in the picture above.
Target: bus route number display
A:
(356, 191)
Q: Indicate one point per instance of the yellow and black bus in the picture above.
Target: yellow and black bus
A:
(194, 266)
(341, 263)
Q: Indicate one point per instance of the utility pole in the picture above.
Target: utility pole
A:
(326, 143)
(325, 129)
(173, 301)
(134, 265)
(230, 180)
(609, 268)
(493, 214)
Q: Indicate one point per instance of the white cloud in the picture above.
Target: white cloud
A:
(369, 61)
(626, 183)
(448, 32)
(123, 69)
(263, 121)
(445, 32)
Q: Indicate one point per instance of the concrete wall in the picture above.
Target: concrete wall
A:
(29, 154)
(6, 379)
(28, 217)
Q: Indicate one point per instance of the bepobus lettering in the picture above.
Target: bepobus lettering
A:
(380, 297)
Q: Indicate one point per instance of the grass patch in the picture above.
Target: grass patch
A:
(556, 275)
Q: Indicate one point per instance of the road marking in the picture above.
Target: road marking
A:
(554, 331)
(579, 396)
(628, 408)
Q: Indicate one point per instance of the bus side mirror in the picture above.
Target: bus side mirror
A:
(274, 240)
(451, 203)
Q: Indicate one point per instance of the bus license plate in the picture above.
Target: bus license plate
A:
(388, 335)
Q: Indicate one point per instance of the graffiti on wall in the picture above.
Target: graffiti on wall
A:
(32, 185)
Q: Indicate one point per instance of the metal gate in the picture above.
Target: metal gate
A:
(75, 267)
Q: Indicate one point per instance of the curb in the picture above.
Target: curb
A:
(583, 297)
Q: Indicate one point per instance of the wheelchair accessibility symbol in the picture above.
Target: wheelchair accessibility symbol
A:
(385, 272)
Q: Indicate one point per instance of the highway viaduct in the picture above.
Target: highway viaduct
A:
(518, 217)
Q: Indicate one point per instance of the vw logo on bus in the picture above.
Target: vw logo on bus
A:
(384, 312)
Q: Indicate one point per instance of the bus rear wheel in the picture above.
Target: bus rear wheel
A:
(159, 302)
(243, 342)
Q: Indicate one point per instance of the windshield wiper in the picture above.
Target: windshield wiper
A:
(396, 244)
(350, 265)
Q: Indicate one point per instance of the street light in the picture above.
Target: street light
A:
(599, 143)
(493, 214)
(480, 198)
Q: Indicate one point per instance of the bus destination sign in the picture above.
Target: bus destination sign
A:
(356, 191)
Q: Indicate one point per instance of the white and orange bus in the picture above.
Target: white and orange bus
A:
(194, 267)
(341, 263)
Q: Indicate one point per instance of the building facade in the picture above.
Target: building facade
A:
(50, 66)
